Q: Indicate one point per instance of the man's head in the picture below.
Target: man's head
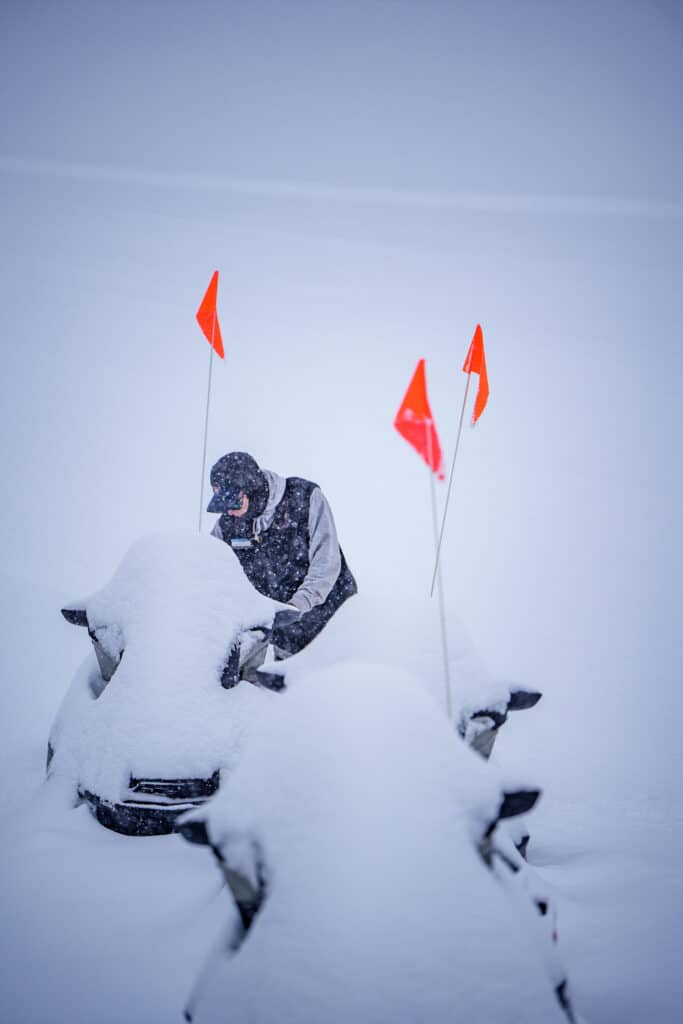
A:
(239, 486)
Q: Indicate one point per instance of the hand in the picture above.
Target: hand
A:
(285, 618)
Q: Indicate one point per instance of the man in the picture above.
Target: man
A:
(283, 534)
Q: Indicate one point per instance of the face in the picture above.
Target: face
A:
(239, 512)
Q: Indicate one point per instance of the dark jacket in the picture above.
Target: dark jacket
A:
(291, 554)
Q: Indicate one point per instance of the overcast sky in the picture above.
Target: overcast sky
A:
(372, 180)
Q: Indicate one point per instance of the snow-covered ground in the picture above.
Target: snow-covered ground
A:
(607, 837)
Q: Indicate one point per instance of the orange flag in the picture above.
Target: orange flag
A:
(475, 362)
(414, 421)
(207, 317)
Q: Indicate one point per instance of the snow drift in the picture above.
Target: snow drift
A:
(174, 608)
(359, 814)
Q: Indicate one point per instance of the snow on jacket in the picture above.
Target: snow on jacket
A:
(294, 553)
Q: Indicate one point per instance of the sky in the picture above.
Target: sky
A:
(371, 180)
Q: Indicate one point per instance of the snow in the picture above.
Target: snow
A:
(354, 769)
(606, 842)
(93, 926)
(375, 626)
(593, 837)
(365, 810)
(101, 929)
(174, 607)
(178, 601)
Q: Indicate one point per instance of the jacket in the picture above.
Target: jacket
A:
(293, 553)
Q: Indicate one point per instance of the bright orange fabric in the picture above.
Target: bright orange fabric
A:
(207, 317)
(475, 362)
(414, 421)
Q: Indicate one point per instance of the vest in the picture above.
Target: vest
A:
(277, 562)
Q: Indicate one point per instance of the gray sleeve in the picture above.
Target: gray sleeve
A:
(217, 532)
(324, 555)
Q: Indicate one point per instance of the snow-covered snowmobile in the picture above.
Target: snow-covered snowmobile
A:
(363, 853)
(154, 716)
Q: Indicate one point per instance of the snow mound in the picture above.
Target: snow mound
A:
(389, 629)
(362, 810)
(174, 606)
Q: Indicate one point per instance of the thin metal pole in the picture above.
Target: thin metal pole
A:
(450, 485)
(206, 424)
(442, 610)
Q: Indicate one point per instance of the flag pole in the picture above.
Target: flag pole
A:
(442, 611)
(437, 568)
(206, 422)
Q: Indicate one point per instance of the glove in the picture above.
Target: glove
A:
(285, 618)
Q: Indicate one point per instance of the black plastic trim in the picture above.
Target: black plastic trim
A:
(136, 819)
(563, 999)
(195, 832)
(76, 616)
(231, 672)
(177, 789)
(519, 802)
(521, 700)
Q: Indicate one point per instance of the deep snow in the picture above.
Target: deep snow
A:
(176, 605)
(117, 928)
(364, 811)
